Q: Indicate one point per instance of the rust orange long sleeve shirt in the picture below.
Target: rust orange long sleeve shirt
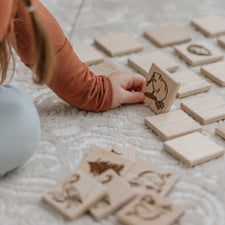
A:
(72, 81)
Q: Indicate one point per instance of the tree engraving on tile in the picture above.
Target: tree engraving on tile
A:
(199, 50)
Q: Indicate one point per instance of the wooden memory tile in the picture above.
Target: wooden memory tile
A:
(128, 153)
(191, 83)
(145, 177)
(211, 26)
(172, 124)
(150, 209)
(118, 44)
(106, 68)
(221, 41)
(143, 62)
(119, 193)
(75, 195)
(205, 109)
(99, 161)
(167, 35)
(198, 53)
(160, 89)
(220, 131)
(215, 72)
(88, 54)
(193, 149)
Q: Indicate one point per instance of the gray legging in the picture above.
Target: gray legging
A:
(19, 128)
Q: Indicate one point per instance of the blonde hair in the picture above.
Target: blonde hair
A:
(43, 50)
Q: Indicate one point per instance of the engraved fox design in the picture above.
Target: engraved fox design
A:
(199, 50)
(158, 90)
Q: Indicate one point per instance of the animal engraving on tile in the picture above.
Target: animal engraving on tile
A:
(150, 180)
(148, 209)
(158, 90)
(68, 193)
(98, 167)
(199, 50)
(115, 152)
(103, 203)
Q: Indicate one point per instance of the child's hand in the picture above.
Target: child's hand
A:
(126, 88)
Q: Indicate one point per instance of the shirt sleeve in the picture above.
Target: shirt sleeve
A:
(72, 80)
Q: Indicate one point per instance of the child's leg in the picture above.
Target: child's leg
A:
(19, 128)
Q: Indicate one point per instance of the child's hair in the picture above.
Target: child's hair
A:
(43, 50)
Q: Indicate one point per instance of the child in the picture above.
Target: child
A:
(42, 46)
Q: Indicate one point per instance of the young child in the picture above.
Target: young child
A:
(37, 38)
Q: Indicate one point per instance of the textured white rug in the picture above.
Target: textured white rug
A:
(68, 133)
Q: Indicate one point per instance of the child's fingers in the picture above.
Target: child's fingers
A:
(133, 81)
(131, 97)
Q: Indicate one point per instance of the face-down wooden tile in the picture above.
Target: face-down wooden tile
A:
(221, 41)
(75, 195)
(167, 35)
(206, 108)
(172, 124)
(88, 54)
(193, 149)
(215, 72)
(150, 209)
(118, 193)
(198, 53)
(220, 130)
(142, 62)
(160, 89)
(211, 25)
(118, 44)
(191, 83)
(106, 68)
(128, 153)
(146, 177)
(99, 161)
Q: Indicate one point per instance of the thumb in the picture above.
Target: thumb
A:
(132, 97)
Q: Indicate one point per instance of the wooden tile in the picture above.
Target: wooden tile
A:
(143, 62)
(118, 44)
(159, 89)
(119, 193)
(198, 53)
(106, 68)
(191, 83)
(220, 130)
(172, 124)
(167, 35)
(97, 162)
(127, 153)
(221, 41)
(145, 177)
(75, 195)
(211, 26)
(150, 209)
(88, 54)
(215, 72)
(193, 149)
(206, 109)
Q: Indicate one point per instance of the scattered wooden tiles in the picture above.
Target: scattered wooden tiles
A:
(97, 162)
(159, 89)
(211, 26)
(150, 209)
(145, 177)
(118, 44)
(88, 54)
(143, 62)
(119, 193)
(167, 35)
(191, 83)
(193, 149)
(220, 130)
(75, 195)
(127, 153)
(206, 109)
(106, 68)
(221, 41)
(198, 53)
(215, 72)
(172, 124)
